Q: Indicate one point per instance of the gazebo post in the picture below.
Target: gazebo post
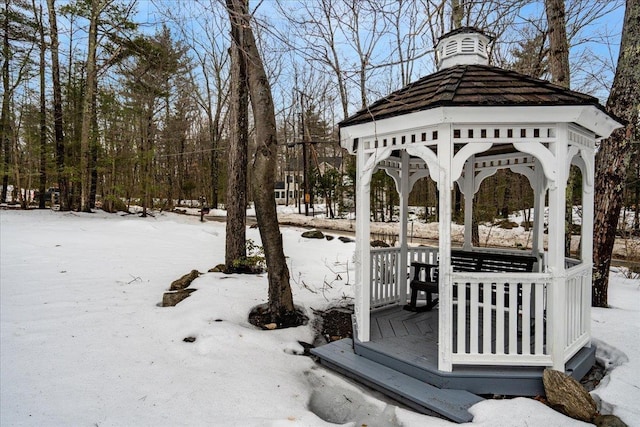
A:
(362, 306)
(404, 209)
(586, 254)
(556, 258)
(539, 192)
(468, 190)
(445, 314)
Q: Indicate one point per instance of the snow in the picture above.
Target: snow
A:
(84, 341)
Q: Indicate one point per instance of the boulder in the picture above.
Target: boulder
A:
(567, 395)
(508, 225)
(313, 234)
(379, 244)
(184, 281)
(329, 237)
(217, 269)
(345, 239)
(170, 299)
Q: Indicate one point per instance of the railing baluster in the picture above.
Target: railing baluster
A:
(486, 318)
(526, 318)
(539, 317)
(462, 317)
(473, 318)
(513, 318)
(500, 313)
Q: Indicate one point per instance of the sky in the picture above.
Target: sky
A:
(592, 49)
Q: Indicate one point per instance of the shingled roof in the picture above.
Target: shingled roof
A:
(470, 85)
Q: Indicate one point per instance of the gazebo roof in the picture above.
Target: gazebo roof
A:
(470, 85)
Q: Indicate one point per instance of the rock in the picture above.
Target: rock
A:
(189, 339)
(608, 421)
(270, 326)
(217, 269)
(379, 244)
(170, 299)
(329, 237)
(591, 380)
(184, 281)
(307, 348)
(567, 395)
(313, 234)
(508, 225)
(345, 239)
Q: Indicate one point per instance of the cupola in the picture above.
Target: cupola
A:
(462, 46)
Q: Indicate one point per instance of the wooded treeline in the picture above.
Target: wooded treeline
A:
(114, 106)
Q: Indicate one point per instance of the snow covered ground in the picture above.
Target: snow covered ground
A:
(490, 234)
(84, 342)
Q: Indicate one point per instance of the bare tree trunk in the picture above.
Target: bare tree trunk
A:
(43, 109)
(147, 155)
(613, 157)
(6, 129)
(57, 108)
(236, 198)
(87, 109)
(636, 199)
(558, 42)
(559, 67)
(93, 149)
(457, 14)
(264, 166)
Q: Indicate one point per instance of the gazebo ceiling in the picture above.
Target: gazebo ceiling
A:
(470, 86)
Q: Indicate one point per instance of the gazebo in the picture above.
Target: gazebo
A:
(493, 329)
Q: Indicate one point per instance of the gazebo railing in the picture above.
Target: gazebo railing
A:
(384, 276)
(499, 318)
(386, 272)
(577, 308)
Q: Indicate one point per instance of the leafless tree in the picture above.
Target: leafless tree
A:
(612, 159)
(57, 109)
(280, 304)
(88, 104)
(237, 154)
(558, 42)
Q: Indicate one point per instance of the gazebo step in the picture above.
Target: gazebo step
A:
(501, 380)
(581, 362)
(423, 397)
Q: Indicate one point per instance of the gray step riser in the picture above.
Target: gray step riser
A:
(509, 382)
(504, 385)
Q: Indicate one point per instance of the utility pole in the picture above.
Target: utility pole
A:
(307, 196)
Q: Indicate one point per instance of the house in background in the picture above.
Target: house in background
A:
(282, 188)
(491, 320)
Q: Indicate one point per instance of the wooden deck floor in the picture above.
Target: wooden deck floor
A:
(418, 332)
(408, 342)
(406, 334)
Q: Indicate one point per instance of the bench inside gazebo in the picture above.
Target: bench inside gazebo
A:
(435, 327)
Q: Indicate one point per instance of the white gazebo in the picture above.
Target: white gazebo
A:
(459, 126)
